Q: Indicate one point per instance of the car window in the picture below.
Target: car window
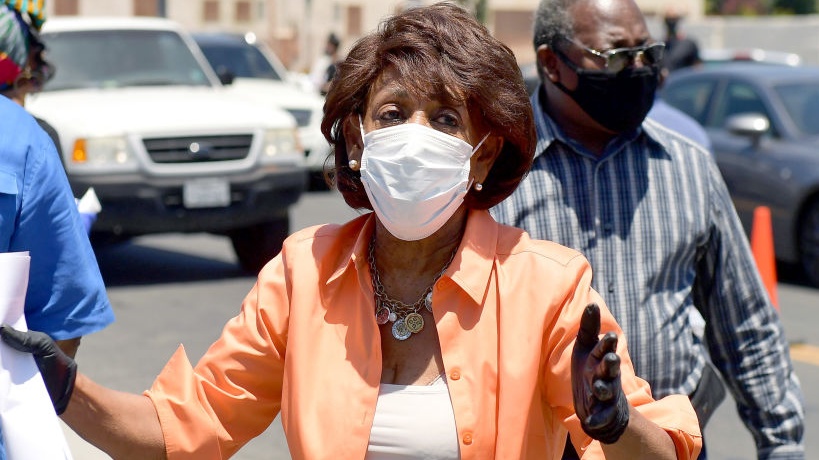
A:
(801, 102)
(738, 98)
(691, 97)
(116, 58)
(242, 60)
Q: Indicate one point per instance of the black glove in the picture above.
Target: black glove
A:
(58, 369)
(599, 400)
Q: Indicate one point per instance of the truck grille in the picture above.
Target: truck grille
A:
(198, 148)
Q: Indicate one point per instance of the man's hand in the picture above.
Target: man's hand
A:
(599, 400)
(58, 370)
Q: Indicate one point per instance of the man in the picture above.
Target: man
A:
(324, 68)
(649, 209)
(681, 51)
(66, 297)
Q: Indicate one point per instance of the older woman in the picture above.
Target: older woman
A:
(422, 330)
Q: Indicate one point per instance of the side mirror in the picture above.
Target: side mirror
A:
(225, 76)
(751, 125)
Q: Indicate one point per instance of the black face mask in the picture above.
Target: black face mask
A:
(618, 101)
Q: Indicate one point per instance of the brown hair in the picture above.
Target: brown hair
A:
(440, 50)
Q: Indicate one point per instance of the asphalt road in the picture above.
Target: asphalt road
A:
(180, 289)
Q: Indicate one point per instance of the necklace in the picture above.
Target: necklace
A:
(405, 317)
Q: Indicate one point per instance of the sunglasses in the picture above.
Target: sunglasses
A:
(619, 58)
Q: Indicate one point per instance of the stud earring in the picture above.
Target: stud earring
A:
(478, 186)
(353, 164)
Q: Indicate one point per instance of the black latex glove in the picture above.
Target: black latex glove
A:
(58, 369)
(599, 400)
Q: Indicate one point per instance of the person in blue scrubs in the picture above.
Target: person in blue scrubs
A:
(66, 296)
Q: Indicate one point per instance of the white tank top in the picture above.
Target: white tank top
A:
(413, 422)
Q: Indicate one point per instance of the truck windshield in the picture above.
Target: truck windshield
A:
(119, 58)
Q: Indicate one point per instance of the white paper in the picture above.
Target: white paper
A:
(89, 203)
(31, 429)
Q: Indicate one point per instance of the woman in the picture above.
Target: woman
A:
(424, 329)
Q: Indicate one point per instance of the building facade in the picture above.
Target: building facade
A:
(296, 29)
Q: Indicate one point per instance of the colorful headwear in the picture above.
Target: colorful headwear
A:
(34, 8)
(14, 46)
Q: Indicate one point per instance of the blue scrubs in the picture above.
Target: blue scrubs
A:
(66, 296)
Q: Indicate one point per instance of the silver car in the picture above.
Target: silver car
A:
(763, 122)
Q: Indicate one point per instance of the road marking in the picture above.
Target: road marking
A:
(805, 353)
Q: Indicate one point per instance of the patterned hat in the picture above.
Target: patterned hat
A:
(34, 8)
(13, 46)
(20, 20)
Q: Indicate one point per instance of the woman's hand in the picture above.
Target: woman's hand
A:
(599, 401)
(58, 370)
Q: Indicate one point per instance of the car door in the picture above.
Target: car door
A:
(691, 95)
(747, 166)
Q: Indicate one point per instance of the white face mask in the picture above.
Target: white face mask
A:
(416, 177)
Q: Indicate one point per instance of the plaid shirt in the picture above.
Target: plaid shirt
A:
(654, 218)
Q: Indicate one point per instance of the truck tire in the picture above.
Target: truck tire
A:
(256, 244)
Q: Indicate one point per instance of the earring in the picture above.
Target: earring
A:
(478, 186)
(353, 164)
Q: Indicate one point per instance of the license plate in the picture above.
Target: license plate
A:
(206, 193)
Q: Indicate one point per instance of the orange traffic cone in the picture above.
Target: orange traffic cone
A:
(762, 246)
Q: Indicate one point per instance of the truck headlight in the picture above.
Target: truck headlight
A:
(278, 143)
(103, 153)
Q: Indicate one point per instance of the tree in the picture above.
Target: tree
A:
(794, 6)
(760, 7)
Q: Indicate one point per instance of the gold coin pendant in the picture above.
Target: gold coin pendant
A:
(414, 322)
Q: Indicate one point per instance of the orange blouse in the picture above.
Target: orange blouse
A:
(507, 311)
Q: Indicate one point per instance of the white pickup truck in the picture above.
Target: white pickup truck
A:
(252, 71)
(145, 121)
